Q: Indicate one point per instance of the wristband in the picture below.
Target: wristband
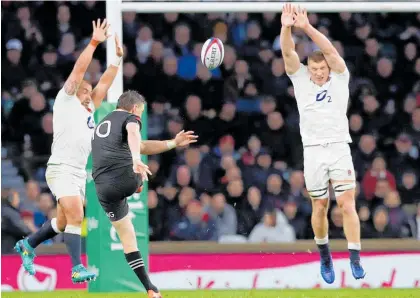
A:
(117, 61)
(136, 158)
(94, 42)
(171, 144)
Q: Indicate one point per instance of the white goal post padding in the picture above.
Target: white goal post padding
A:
(114, 8)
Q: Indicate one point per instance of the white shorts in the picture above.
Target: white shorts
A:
(325, 163)
(64, 181)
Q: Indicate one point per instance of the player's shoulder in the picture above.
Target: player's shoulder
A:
(131, 118)
(341, 74)
(302, 71)
(62, 95)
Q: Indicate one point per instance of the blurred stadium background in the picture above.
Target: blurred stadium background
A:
(245, 174)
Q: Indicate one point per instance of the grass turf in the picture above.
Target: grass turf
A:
(341, 293)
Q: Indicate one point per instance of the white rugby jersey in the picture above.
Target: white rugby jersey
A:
(73, 128)
(322, 109)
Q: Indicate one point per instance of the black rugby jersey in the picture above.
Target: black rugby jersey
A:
(110, 150)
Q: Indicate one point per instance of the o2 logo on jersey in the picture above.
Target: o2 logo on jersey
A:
(91, 122)
(322, 95)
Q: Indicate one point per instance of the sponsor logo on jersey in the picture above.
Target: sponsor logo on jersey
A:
(91, 122)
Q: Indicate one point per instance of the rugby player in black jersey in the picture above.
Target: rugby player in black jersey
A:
(118, 171)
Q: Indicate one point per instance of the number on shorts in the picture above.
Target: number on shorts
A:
(103, 135)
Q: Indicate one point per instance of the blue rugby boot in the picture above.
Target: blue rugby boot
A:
(327, 270)
(357, 269)
(27, 255)
(79, 274)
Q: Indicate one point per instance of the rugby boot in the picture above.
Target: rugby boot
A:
(27, 255)
(357, 270)
(327, 270)
(153, 294)
(79, 274)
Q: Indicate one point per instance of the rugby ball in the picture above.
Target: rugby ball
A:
(212, 53)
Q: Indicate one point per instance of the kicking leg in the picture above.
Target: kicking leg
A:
(127, 235)
(73, 209)
(351, 225)
(26, 247)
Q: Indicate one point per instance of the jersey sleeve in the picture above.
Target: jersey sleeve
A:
(300, 75)
(133, 119)
(299, 79)
(345, 75)
(62, 95)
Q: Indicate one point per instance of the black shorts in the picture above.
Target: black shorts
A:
(113, 188)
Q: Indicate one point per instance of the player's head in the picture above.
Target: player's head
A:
(131, 101)
(318, 67)
(84, 93)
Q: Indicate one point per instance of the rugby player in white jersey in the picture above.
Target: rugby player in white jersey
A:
(322, 94)
(66, 176)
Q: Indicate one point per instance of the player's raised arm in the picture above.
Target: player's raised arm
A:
(287, 45)
(108, 77)
(76, 76)
(334, 60)
(182, 139)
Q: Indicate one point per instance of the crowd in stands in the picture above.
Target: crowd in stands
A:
(244, 178)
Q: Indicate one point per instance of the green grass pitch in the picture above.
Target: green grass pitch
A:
(342, 293)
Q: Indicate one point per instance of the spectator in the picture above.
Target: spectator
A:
(195, 225)
(377, 171)
(409, 191)
(175, 211)
(156, 119)
(45, 205)
(12, 226)
(274, 228)
(33, 192)
(403, 155)
(12, 70)
(365, 220)
(364, 155)
(224, 215)
(252, 150)
(296, 218)
(251, 211)
(382, 228)
(154, 203)
(398, 218)
(275, 193)
(144, 43)
(336, 228)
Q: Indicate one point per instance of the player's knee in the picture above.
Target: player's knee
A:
(75, 219)
(348, 207)
(61, 223)
(347, 203)
(320, 209)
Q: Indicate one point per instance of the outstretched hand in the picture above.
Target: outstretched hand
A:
(140, 168)
(300, 16)
(287, 16)
(100, 30)
(183, 138)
